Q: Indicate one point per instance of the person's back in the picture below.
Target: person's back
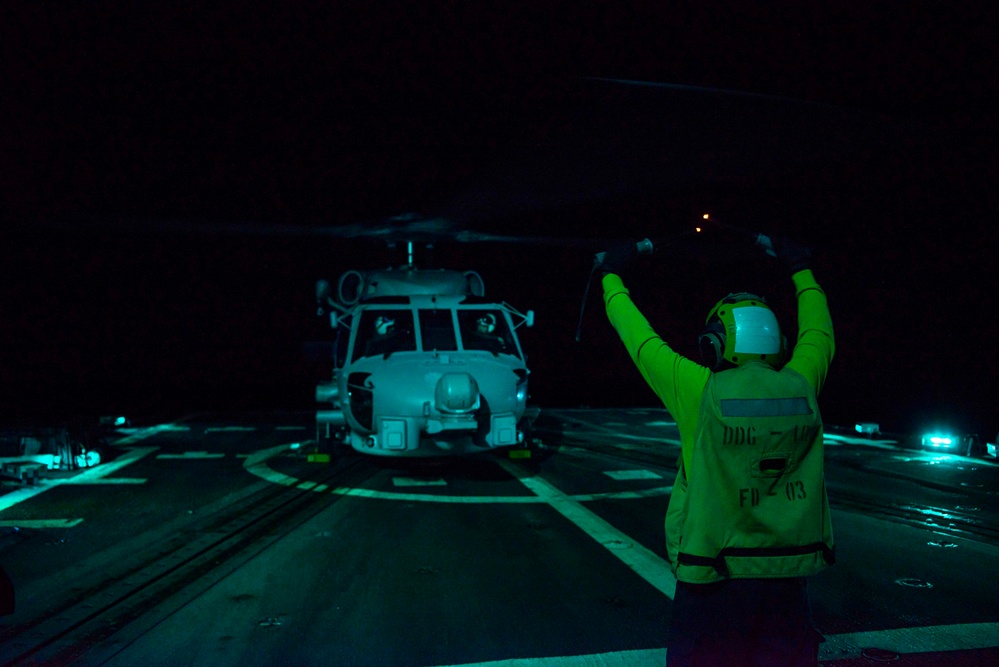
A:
(757, 504)
(748, 518)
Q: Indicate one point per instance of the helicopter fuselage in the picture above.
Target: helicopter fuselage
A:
(427, 375)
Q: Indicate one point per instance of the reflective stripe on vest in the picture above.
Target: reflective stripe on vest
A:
(765, 407)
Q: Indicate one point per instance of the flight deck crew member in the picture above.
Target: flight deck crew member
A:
(748, 518)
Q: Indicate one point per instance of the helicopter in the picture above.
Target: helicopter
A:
(410, 376)
(424, 365)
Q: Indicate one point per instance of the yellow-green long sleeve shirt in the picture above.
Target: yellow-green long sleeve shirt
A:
(679, 382)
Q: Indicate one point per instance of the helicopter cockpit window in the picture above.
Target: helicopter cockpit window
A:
(437, 331)
(486, 330)
(382, 332)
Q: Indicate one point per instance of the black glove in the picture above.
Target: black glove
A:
(618, 257)
(793, 255)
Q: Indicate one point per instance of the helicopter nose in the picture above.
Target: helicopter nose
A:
(457, 393)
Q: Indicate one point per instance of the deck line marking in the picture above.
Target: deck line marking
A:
(637, 658)
(256, 464)
(412, 481)
(192, 456)
(98, 472)
(105, 469)
(614, 433)
(108, 480)
(628, 475)
(927, 639)
(230, 429)
(40, 523)
(432, 498)
(471, 500)
(628, 436)
(643, 561)
(149, 432)
(866, 442)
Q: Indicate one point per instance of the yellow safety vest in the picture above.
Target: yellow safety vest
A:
(754, 503)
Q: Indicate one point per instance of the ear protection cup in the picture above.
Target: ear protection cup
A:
(711, 344)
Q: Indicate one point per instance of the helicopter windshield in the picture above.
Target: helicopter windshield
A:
(437, 331)
(486, 330)
(383, 332)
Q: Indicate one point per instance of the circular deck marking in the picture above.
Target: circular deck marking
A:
(256, 464)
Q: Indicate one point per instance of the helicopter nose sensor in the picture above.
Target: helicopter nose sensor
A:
(457, 393)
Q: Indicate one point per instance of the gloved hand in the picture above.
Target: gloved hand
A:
(793, 255)
(618, 257)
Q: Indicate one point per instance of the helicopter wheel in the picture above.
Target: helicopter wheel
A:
(328, 441)
(540, 451)
(532, 448)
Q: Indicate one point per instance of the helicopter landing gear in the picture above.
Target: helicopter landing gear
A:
(532, 448)
(329, 442)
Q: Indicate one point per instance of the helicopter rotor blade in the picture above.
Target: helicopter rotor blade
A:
(597, 140)
(402, 228)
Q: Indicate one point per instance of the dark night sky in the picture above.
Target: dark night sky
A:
(125, 128)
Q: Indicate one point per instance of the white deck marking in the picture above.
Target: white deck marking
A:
(625, 475)
(230, 429)
(105, 469)
(256, 464)
(643, 561)
(411, 481)
(85, 477)
(628, 436)
(142, 434)
(290, 428)
(40, 523)
(639, 658)
(929, 639)
(836, 439)
(614, 433)
(192, 456)
(107, 480)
